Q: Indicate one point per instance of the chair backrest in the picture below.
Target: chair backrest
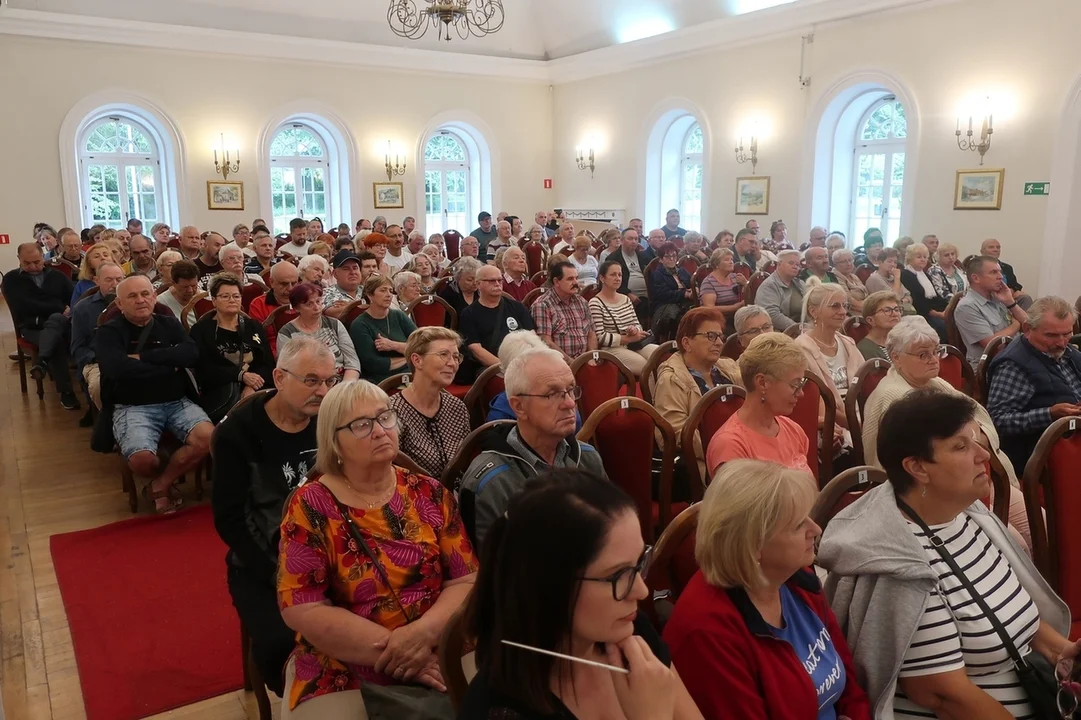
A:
(1051, 486)
(591, 292)
(1000, 481)
(856, 328)
(733, 348)
(352, 311)
(199, 305)
(859, 389)
(753, 284)
(280, 317)
(602, 376)
(648, 273)
(623, 432)
(689, 264)
(843, 490)
(470, 447)
(648, 378)
(487, 385)
(536, 256)
(953, 335)
(706, 418)
(743, 269)
(794, 331)
(539, 278)
(396, 383)
(806, 416)
(674, 563)
(698, 276)
(983, 367)
(433, 311)
(953, 367)
(71, 270)
(531, 296)
(251, 291)
(452, 240)
(452, 646)
(88, 292)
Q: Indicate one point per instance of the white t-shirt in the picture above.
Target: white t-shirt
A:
(298, 251)
(397, 263)
(838, 365)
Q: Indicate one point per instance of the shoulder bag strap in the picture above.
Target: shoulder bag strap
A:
(940, 547)
(355, 532)
(144, 335)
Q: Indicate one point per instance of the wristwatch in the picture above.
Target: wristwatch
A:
(1012, 305)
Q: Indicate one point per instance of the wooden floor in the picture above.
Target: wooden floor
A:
(51, 482)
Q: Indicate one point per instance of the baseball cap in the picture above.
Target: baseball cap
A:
(484, 216)
(343, 257)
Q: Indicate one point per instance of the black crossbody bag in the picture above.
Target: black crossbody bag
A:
(1036, 674)
(395, 702)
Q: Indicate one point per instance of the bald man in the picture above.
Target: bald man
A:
(818, 265)
(283, 278)
(191, 243)
(485, 323)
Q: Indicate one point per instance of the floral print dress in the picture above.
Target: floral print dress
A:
(419, 540)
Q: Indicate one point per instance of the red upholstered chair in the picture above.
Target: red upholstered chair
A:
(470, 447)
(689, 264)
(953, 367)
(536, 256)
(352, 311)
(24, 351)
(539, 278)
(70, 269)
(843, 490)
(174, 242)
(251, 291)
(856, 328)
(531, 296)
(622, 430)
(601, 381)
(953, 335)
(860, 388)
(396, 383)
(864, 271)
(743, 269)
(648, 378)
(590, 292)
(433, 311)
(707, 417)
(673, 556)
(452, 239)
(806, 416)
(487, 385)
(279, 318)
(441, 283)
(201, 304)
(769, 267)
(698, 276)
(983, 381)
(733, 348)
(1051, 483)
(752, 286)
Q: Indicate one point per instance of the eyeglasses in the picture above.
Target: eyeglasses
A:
(448, 356)
(231, 296)
(1066, 698)
(927, 356)
(312, 382)
(711, 336)
(574, 392)
(622, 581)
(362, 427)
(892, 310)
(796, 386)
(835, 306)
(754, 332)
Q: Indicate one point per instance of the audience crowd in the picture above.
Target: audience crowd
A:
(339, 383)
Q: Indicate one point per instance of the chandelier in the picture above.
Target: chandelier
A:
(468, 17)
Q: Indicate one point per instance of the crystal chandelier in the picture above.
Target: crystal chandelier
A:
(468, 17)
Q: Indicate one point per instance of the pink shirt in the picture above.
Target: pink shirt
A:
(735, 441)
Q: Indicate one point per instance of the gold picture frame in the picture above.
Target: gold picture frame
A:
(752, 195)
(388, 195)
(979, 189)
(222, 195)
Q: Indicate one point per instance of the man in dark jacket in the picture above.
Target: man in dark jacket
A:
(84, 322)
(1036, 379)
(39, 298)
(144, 361)
(262, 452)
(633, 260)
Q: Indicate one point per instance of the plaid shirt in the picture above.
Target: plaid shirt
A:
(567, 322)
(335, 294)
(1011, 391)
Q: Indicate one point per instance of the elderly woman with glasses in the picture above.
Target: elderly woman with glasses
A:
(881, 312)
(887, 278)
(670, 292)
(723, 287)
(753, 634)
(751, 321)
(915, 353)
(407, 288)
(831, 356)
(844, 269)
(773, 370)
(461, 292)
(373, 564)
(432, 422)
(307, 299)
(925, 295)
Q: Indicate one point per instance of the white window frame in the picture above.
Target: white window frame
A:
(484, 163)
(122, 161)
(298, 163)
(888, 147)
(690, 160)
(442, 167)
(661, 186)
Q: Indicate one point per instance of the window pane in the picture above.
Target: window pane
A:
(284, 143)
(878, 125)
(142, 192)
(283, 197)
(308, 145)
(104, 184)
(691, 197)
(900, 122)
(694, 141)
(445, 148)
(119, 136)
(457, 200)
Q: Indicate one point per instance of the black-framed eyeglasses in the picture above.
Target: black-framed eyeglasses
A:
(796, 386)
(892, 310)
(312, 382)
(927, 356)
(622, 581)
(711, 336)
(575, 392)
(362, 427)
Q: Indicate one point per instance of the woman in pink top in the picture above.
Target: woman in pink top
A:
(773, 368)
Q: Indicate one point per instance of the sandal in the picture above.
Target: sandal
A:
(153, 495)
(175, 496)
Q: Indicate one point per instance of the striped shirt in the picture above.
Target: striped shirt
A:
(610, 320)
(954, 634)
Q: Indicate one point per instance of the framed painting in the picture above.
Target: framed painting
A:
(388, 195)
(752, 195)
(978, 189)
(224, 195)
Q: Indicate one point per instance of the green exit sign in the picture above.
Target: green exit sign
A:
(1038, 188)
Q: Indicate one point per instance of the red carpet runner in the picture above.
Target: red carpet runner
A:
(150, 615)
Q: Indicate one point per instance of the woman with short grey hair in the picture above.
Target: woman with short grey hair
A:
(462, 290)
(407, 286)
(750, 322)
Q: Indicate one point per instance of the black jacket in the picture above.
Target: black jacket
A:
(30, 305)
(663, 286)
(643, 260)
(923, 302)
(158, 375)
(215, 370)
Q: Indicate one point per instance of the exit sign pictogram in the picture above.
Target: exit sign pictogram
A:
(1038, 188)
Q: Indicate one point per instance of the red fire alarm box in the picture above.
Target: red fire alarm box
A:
(5, 239)
(547, 183)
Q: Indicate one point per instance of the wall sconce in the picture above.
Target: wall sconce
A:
(586, 162)
(394, 168)
(742, 157)
(969, 143)
(225, 168)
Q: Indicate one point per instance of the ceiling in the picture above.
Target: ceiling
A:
(533, 29)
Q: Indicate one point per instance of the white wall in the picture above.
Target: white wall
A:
(42, 80)
(1024, 55)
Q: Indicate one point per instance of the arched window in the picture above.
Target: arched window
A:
(299, 175)
(879, 171)
(120, 173)
(447, 183)
(690, 178)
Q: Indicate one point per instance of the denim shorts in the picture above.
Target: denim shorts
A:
(139, 428)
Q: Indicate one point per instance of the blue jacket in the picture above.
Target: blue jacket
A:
(500, 409)
(662, 285)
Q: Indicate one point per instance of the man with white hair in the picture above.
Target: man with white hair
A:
(516, 282)
(541, 218)
(191, 242)
(1035, 379)
(262, 452)
(541, 390)
(231, 258)
(781, 295)
(817, 237)
(502, 240)
(565, 246)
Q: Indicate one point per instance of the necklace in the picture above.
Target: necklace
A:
(382, 497)
(824, 346)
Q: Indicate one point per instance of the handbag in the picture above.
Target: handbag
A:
(396, 702)
(102, 439)
(1035, 673)
(637, 344)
